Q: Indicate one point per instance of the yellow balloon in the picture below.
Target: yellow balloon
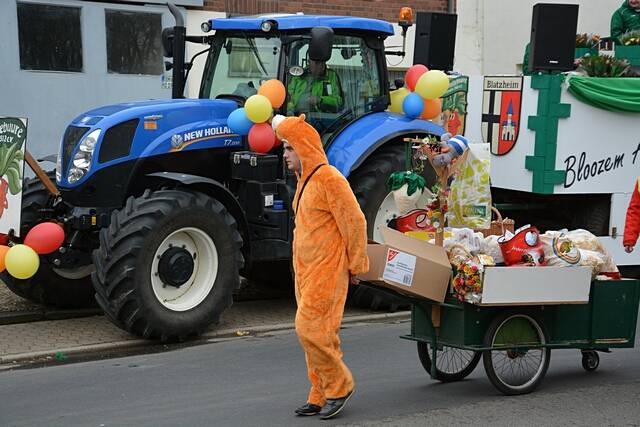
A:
(397, 98)
(258, 108)
(22, 262)
(432, 84)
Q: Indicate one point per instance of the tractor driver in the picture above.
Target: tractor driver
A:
(317, 89)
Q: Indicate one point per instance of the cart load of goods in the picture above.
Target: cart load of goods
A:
(479, 260)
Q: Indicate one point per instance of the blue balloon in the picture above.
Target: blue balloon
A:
(413, 105)
(238, 122)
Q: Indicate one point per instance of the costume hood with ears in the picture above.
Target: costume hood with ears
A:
(304, 139)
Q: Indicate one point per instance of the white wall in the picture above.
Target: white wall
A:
(51, 99)
(491, 34)
(193, 20)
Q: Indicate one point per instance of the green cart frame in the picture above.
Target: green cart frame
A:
(515, 342)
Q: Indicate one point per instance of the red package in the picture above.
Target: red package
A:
(524, 247)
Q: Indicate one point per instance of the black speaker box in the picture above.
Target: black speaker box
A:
(435, 40)
(553, 37)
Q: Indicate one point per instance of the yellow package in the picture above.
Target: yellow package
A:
(470, 196)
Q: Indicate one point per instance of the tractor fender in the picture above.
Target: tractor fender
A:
(365, 135)
(218, 191)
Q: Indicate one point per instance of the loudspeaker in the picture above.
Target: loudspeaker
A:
(435, 40)
(553, 37)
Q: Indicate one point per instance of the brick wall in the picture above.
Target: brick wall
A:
(382, 9)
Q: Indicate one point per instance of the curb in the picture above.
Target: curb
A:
(12, 318)
(222, 333)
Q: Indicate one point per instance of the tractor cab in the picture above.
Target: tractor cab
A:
(333, 67)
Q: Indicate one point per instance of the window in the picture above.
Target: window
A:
(347, 87)
(242, 64)
(49, 37)
(133, 42)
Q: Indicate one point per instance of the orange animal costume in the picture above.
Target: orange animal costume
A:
(330, 241)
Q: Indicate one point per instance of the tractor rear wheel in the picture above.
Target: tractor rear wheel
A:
(51, 286)
(168, 264)
(369, 184)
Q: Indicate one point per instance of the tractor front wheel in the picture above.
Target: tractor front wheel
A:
(51, 286)
(168, 264)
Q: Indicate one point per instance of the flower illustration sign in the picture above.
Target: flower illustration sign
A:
(13, 135)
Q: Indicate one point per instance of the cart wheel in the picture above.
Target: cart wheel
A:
(590, 360)
(453, 364)
(517, 370)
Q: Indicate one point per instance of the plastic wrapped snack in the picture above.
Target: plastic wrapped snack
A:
(491, 247)
(470, 196)
(585, 240)
(560, 251)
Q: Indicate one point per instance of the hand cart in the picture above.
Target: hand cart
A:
(515, 342)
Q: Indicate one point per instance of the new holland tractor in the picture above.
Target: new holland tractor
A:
(163, 206)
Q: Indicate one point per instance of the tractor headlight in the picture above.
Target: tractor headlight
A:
(82, 160)
(59, 165)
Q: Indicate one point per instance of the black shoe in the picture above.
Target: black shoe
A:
(334, 406)
(308, 409)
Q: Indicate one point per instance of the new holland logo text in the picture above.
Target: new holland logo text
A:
(204, 133)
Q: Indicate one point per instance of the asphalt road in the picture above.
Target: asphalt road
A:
(258, 381)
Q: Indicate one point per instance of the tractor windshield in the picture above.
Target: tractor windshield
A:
(334, 93)
(243, 62)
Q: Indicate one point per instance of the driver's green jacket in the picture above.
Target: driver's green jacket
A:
(327, 88)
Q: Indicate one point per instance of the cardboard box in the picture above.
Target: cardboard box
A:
(536, 285)
(409, 266)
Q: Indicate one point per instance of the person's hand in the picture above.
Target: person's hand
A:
(628, 249)
(314, 100)
(353, 280)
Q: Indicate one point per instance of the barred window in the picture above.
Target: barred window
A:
(50, 38)
(133, 42)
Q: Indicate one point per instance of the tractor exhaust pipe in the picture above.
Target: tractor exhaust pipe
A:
(179, 37)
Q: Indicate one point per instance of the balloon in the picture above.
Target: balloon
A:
(258, 108)
(238, 122)
(413, 74)
(432, 108)
(3, 253)
(397, 97)
(45, 238)
(413, 105)
(277, 143)
(274, 91)
(432, 84)
(262, 138)
(21, 261)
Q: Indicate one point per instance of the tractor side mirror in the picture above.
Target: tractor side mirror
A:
(321, 44)
(167, 42)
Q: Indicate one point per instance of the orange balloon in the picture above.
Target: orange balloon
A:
(432, 107)
(274, 90)
(3, 251)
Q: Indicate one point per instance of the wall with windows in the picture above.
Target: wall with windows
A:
(63, 57)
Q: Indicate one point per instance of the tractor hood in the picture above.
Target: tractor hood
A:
(113, 134)
(172, 110)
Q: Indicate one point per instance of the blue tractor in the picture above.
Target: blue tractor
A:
(163, 206)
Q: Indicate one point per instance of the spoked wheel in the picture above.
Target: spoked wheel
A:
(452, 364)
(519, 360)
(590, 360)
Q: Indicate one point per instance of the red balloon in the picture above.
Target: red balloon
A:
(278, 143)
(45, 238)
(412, 76)
(262, 138)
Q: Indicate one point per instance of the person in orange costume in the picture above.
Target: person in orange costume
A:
(329, 250)
(632, 222)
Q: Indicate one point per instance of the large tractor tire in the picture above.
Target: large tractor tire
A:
(168, 264)
(369, 184)
(51, 286)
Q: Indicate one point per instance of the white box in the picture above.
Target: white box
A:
(536, 285)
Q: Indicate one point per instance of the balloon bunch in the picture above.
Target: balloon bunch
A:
(22, 260)
(252, 120)
(420, 98)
